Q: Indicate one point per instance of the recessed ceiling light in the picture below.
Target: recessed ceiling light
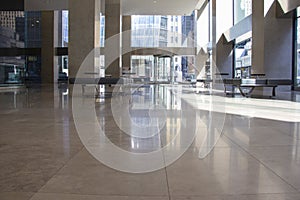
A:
(154, 1)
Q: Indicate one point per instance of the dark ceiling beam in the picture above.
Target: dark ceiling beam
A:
(20, 51)
(12, 5)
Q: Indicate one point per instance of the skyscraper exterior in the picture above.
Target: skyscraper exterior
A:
(8, 18)
(188, 39)
(156, 31)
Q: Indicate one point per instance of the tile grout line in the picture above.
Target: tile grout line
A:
(168, 186)
(165, 168)
(101, 195)
(246, 151)
(56, 172)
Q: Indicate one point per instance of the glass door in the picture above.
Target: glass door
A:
(163, 70)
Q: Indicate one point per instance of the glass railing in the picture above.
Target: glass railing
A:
(11, 74)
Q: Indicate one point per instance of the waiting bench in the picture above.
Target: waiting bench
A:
(95, 82)
(254, 83)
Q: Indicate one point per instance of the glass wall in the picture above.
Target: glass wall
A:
(204, 38)
(162, 31)
(267, 6)
(145, 31)
(102, 30)
(297, 59)
(224, 10)
(19, 30)
(11, 74)
(141, 65)
(243, 58)
(63, 40)
(32, 30)
(65, 28)
(242, 9)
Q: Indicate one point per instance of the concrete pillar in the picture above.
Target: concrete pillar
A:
(214, 29)
(48, 51)
(258, 39)
(57, 42)
(225, 57)
(126, 42)
(289, 5)
(84, 27)
(112, 29)
(278, 46)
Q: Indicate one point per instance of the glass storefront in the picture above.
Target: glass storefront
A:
(20, 30)
(33, 69)
(11, 74)
(242, 52)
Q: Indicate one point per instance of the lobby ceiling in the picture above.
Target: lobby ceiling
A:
(129, 7)
(159, 7)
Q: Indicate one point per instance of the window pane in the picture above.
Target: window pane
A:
(161, 31)
(65, 28)
(224, 16)
(298, 52)
(19, 29)
(242, 9)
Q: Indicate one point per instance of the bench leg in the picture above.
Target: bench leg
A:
(82, 88)
(274, 91)
(241, 91)
(251, 90)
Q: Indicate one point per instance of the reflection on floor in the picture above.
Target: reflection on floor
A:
(256, 157)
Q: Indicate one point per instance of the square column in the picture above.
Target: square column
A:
(258, 37)
(113, 37)
(84, 36)
(126, 42)
(48, 50)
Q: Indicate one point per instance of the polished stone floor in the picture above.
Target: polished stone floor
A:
(244, 149)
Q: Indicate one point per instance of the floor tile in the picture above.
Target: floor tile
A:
(241, 197)
(85, 175)
(15, 195)
(257, 136)
(284, 161)
(47, 196)
(40, 151)
(223, 171)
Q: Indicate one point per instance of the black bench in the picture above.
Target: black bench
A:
(205, 82)
(253, 83)
(95, 82)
